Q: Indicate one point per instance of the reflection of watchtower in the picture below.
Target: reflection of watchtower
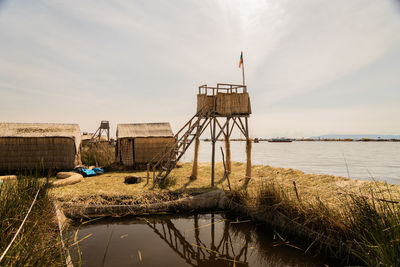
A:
(103, 128)
(221, 251)
(222, 108)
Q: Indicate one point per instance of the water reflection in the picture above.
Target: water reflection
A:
(196, 240)
(199, 254)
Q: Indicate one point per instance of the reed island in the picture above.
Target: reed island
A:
(352, 222)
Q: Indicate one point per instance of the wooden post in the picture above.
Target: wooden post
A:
(213, 140)
(226, 172)
(195, 160)
(148, 173)
(228, 147)
(248, 159)
(295, 189)
(213, 152)
(248, 152)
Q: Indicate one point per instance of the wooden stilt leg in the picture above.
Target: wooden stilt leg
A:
(195, 160)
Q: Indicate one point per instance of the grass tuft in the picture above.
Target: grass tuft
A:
(38, 243)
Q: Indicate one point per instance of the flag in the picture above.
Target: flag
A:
(241, 59)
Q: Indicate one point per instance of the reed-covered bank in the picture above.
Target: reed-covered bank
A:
(357, 221)
(361, 230)
(38, 242)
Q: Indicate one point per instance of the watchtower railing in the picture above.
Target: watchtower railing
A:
(222, 88)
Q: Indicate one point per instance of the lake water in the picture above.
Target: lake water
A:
(364, 160)
(184, 240)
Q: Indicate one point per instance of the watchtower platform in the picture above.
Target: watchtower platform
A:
(224, 100)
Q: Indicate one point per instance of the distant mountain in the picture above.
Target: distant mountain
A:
(356, 136)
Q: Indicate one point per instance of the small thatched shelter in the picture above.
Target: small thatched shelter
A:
(86, 137)
(39, 146)
(139, 143)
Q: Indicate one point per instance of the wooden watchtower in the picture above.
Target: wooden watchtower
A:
(103, 128)
(222, 108)
(227, 106)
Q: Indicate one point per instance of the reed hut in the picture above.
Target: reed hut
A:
(39, 146)
(139, 143)
(87, 137)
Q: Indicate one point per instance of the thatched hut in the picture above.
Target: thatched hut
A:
(139, 143)
(39, 146)
(87, 137)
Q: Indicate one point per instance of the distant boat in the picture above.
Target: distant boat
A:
(280, 140)
(256, 140)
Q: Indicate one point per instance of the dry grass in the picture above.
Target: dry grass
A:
(110, 188)
(38, 244)
(349, 213)
(98, 154)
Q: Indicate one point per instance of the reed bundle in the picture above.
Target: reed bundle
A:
(195, 160)
(228, 155)
(248, 158)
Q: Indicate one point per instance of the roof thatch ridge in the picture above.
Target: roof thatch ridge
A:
(152, 129)
(28, 130)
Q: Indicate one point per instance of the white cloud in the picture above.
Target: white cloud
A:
(143, 60)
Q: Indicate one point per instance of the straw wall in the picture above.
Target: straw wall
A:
(125, 151)
(37, 153)
(205, 101)
(146, 148)
(233, 104)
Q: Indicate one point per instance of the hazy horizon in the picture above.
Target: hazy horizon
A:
(312, 68)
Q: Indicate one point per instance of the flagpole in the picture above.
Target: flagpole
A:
(243, 72)
(243, 69)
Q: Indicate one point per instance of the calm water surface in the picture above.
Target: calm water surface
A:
(191, 240)
(365, 160)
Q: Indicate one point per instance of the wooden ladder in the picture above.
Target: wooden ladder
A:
(162, 164)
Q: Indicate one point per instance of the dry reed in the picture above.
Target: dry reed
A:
(98, 154)
(38, 244)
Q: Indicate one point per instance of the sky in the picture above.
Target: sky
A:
(312, 67)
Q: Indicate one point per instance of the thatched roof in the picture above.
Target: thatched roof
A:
(87, 137)
(42, 130)
(162, 129)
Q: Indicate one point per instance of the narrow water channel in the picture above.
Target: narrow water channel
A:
(184, 240)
